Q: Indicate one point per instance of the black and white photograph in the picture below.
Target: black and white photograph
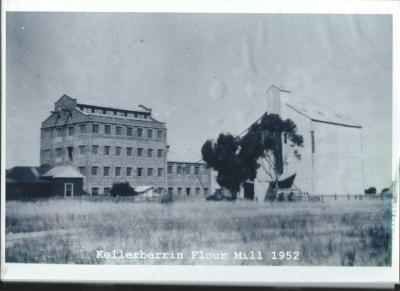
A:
(211, 139)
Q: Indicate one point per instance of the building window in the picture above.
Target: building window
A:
(179, 191)
(205, 191)
(94, 171)
(139, 172)
(160, 153)
(82, 128)
(59, 131)
(129, 171)
(107, 129)
(149, 133)
(179, 169)
(118, 130)
(58, 152)
(129, 151)
(159, 134)
(70, 151)
(312, 142)
(95, 149)
(285, 138)
(129, 131)
(44, 133)
(139, 152)
(95, 191)
(188, 191)
(82, 170)
(169, 170)
(118, 151)
(150, 172)
(196, 170)
(160, 190)
(107, 191)
(140, 132)
(107, 150)
(117, 171)
(70, 130)
(187, 169)
(95, 128)
(106, 171)
(82, 150)
(170, 191)
(46, 154)
(149, 152)
(197, 191)
(160, 172)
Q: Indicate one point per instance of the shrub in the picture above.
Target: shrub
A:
(370, 190)
(166, 198)
(122, 189)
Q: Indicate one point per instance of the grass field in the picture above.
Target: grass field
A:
(355, 232)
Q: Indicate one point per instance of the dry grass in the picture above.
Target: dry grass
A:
(330, 234)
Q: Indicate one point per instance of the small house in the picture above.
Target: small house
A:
(43, 182)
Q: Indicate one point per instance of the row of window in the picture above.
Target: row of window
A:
(106, 111)
(184, 169)
(187, 191)
(178, 190)
(140, 172)
(106, 129)
(118, 151)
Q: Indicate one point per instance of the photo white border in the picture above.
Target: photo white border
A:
(210, 275)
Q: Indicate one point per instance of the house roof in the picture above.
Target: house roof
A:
(63, 172)
(142, 189)
(319, 113)
(26, 174)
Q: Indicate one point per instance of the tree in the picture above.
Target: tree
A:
(270, 131)
(122, 189)
(237, 159)
(222, 156)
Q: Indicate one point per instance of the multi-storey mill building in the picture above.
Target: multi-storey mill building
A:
(109, 145)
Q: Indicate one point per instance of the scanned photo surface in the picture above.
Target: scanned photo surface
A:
(198, 139)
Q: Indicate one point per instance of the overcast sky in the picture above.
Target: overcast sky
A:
(201, 73)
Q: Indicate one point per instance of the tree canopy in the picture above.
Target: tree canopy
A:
(236, 158)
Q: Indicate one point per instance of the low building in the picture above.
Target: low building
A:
(43, 182)
(188, 179)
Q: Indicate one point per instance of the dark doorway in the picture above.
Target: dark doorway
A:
(249, 191)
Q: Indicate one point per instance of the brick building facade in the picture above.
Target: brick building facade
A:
(109, 145)
(190, 179)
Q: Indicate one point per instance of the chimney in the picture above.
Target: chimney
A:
(276, 97)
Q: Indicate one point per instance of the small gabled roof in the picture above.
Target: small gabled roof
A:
(319, 113)
(63, 172)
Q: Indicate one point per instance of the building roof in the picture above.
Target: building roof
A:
(188, 163)
(323, 114)
(26, 174)
(139, 109)
(142, 189)
(63, 172)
